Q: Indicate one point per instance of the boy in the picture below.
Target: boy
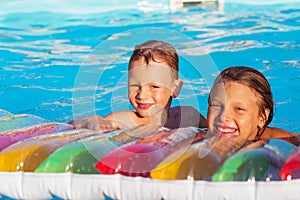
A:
(152, 84)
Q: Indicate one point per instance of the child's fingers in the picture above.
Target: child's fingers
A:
(71, 122)
(101, 125)
(78, 123)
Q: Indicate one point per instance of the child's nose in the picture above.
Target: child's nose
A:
(143, 92)
(225, 114)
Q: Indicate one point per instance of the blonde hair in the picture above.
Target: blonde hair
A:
(156, 50)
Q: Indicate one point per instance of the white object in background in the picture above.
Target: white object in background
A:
(262, 2)
(179, 4)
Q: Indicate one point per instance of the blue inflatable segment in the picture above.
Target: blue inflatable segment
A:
(19, 121)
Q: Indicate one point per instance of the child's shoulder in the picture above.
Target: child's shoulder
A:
(119, 114)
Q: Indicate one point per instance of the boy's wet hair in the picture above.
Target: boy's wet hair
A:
(253, 79)
(157, 51)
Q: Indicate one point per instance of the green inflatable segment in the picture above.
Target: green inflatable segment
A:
(84, 163)
(253, 165)
(81, 156)
(63, 159)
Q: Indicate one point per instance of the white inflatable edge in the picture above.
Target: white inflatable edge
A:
(27, 185)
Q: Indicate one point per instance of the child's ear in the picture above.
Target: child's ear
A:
(177, 87)
(264, 118)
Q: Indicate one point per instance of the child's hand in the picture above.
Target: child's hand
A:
(95, 123)
(227, 145)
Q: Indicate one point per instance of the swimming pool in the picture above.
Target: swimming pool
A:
(64, 60)
(61, 60)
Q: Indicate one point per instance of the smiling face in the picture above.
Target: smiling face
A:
(151, 87)
(234, 111)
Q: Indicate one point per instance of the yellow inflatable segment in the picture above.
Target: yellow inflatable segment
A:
(28, 154)
(187, 163)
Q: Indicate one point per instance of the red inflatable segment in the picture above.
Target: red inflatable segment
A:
(133, 160)
(291, 168)
(146, 153)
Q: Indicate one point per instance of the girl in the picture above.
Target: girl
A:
(241, 107)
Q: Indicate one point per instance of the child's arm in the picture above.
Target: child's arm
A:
(122, 119)
(95, 122)
(279, 133)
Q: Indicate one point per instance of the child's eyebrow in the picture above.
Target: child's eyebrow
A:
(155, 83)
(134, 84)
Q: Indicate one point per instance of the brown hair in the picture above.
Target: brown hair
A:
(253, 79)
(154, 50)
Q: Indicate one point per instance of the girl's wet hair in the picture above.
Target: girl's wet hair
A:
(157, 51)
(253, 79)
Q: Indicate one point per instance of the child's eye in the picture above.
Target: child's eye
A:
(154, 86)
(214, 104)
(238, 108)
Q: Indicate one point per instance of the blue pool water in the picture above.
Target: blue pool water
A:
(61, 60)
